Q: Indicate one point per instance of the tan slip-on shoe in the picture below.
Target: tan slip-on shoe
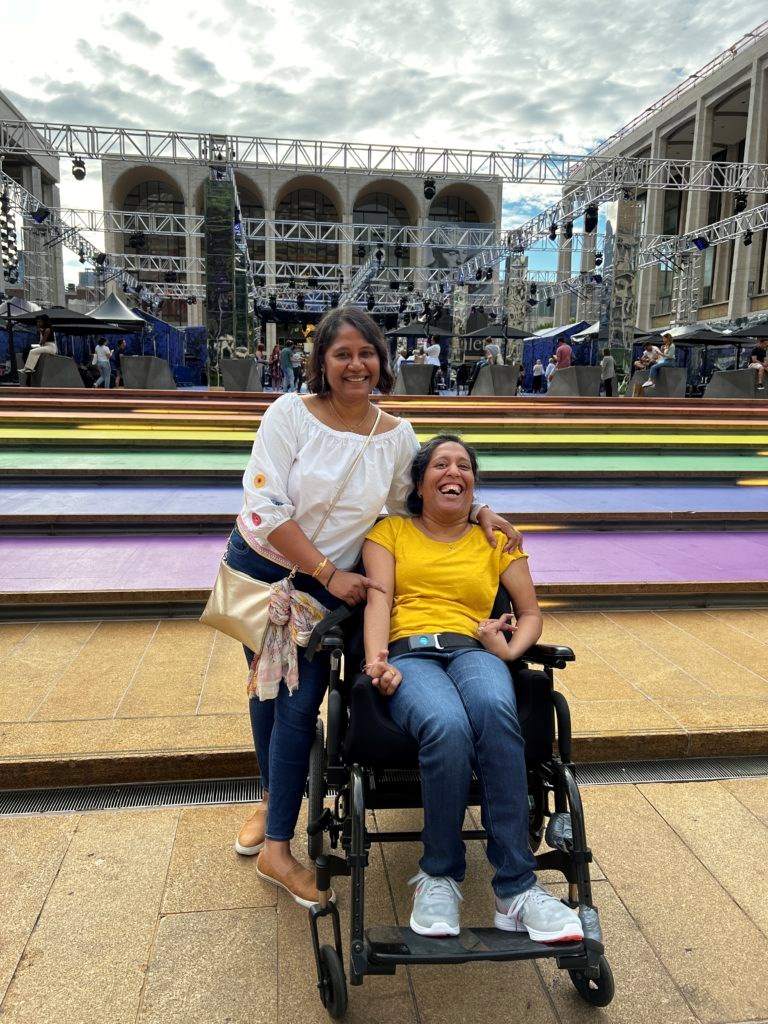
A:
(298, 882)
(250, 838)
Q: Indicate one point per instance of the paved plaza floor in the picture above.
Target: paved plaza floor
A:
(149, 917)
(114, 701)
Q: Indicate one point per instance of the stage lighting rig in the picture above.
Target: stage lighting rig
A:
(740, 202)
(78, 169)
(568, 229)
(701, 243)
(553, 231)
(41, 214)
(598, 259)
(747, 239)
(590, 218)
(429, 188)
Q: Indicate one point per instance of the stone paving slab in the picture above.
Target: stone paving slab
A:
(150, 916)
(119, 701)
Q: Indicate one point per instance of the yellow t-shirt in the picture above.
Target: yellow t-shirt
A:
(440, 588)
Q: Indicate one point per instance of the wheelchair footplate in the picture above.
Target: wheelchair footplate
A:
(393, 945)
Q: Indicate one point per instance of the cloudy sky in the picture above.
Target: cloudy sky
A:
(508, 74)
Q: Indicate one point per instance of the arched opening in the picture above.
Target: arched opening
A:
(461, 204)
(392, 206)
(310, 204)
(157, 196)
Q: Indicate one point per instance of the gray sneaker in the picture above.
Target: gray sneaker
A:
(537, 912)
(435, 905)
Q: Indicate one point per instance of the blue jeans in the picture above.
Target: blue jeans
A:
(288, 379)
(655, 367)
(105, 373)
(284, 728)
(460, 708)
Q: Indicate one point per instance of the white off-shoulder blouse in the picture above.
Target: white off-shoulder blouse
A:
(295, 468)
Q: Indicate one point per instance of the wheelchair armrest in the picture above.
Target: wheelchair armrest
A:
(326, 636)
(549, 655)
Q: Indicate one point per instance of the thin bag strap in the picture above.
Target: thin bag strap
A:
(346, 479)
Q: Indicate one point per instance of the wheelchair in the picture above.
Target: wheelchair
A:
(366, 763)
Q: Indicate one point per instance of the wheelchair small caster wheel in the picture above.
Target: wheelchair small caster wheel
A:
(597, 991)
(333, 987)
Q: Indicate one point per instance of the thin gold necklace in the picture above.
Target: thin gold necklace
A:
(448, 543)
(339, 417)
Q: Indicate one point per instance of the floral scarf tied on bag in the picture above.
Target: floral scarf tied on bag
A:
(293, 615)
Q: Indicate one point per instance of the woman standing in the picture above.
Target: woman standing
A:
(607, 372)
(103, 357)
(538, 376)
(303, 450)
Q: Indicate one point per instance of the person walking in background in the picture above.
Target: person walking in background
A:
(563, 355)
(103, 357)
(121, 350)
(607, 372)
(274, 366)
(666, 358)
(550, 369)
(286, 366)
(538, 376)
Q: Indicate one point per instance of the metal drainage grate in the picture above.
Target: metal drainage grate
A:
(233, 791)
(138, 795)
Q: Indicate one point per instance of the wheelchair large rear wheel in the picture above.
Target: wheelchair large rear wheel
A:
(316, 790)
(596, 991)
(333, 987)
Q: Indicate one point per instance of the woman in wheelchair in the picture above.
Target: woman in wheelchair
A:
(431, 647)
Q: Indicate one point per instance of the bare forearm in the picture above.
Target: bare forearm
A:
(376, 625)
(291, 541)
(529, 626)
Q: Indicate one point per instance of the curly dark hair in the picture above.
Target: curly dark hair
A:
(421, 461)
(325, 335)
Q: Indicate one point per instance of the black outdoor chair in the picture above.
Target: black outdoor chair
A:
(365, 762)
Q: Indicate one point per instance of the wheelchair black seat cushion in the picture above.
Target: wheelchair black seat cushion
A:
(372, 739)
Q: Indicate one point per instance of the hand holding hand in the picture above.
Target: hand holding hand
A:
(385, 677)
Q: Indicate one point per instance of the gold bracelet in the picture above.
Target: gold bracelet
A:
(319, 568)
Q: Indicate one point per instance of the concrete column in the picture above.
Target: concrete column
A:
(698, 202)
(746, 259)
(346, 249)
(653, 222)
(562, 310)
(193, 249)
(271, 282)
(585, 303)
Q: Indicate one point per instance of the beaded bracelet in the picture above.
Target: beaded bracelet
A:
(328, 581)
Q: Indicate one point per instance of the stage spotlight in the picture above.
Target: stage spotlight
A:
(394, 285)
(100, 259)
(590, 218)
(137, 240)
(403, 304)
(300, 300)
(553, 231)
(701, 243)
(740, 202)
(42, 213)
(533, 289)
(409, 286)
(273, 302)
(170, 277)
(597, 279)
(313, 282)
(371, 303)
(81, 255)
(598, 259)
(191, 300)
(533, 302)
(78, 169)
(429, 188)
(568, 229)
(489, 274)
(361, 252)
(334, 300)
(478, 274)
(399, 252)
(379, 256)
(747, 237)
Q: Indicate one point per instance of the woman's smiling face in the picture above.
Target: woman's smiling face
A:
(449, 482)
(351, 365)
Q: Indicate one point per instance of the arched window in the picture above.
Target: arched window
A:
(453, 210)
(306, 204)
(382, 208)
(158, 197)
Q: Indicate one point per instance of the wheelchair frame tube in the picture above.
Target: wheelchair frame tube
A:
(357, 858)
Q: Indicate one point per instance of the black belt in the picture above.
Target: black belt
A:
(431, 642)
